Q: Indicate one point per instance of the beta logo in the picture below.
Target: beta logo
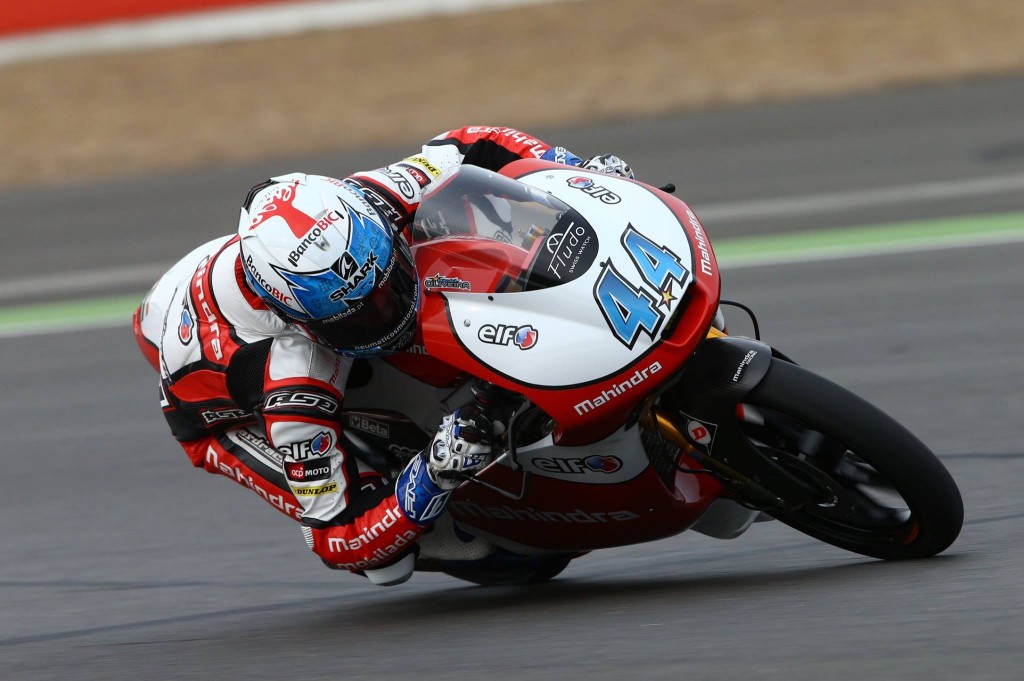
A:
(578, 465)
(368, 425)
(523, 337)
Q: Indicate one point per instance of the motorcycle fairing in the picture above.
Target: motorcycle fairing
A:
(555, 344)
(567, 516)
(722, 372)
(564, 313)
(615, 459)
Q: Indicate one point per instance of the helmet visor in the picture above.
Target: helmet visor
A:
(384, 320)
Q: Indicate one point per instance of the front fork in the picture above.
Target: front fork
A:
(702, 413)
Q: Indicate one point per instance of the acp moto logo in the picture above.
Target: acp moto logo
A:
(523, 337)
(308, 470)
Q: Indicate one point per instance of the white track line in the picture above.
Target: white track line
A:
(82, 280)
(145, 274)
(238, 24)
(728, 263)
(839, 201)
(825, 253)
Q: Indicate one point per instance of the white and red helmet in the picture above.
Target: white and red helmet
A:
(320, 255)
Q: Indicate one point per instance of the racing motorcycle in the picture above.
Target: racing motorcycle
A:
(589, 305)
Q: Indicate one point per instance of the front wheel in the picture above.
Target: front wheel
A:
(882, 491)
(508, 569)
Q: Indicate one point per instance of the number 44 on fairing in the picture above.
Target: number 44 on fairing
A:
(630, 309)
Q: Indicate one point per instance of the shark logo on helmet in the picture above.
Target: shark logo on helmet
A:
(328, 292)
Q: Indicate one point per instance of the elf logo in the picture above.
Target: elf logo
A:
(318, 446)
(591, 188)
(523, 337)
(590, 464)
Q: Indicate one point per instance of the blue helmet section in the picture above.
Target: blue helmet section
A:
(326, 293)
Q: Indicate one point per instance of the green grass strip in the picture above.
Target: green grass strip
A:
(794, 246)
(109, 311)
(873, 238)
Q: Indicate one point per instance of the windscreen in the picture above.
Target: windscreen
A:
(557, 243)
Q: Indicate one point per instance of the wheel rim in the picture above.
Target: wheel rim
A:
(857, 503)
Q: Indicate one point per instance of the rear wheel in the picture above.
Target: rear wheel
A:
(882, 491)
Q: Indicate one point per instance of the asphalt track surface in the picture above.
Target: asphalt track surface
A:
(121, 561)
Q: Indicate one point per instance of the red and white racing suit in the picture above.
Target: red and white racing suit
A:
(251, 397)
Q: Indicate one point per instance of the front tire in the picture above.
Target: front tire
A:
(884, 493)
(509, 570)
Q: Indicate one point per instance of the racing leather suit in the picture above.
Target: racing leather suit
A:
(251, 397)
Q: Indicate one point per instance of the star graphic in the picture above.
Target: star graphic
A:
(667, 297)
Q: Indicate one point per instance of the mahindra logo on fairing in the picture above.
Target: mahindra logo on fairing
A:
(747, 359)
(702, 244)
(616, 390)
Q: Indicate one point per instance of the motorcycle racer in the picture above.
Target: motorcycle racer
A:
(254, 335)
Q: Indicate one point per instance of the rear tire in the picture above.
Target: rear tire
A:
(861, 447)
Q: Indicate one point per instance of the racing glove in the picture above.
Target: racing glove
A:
(609, 164)
(463, 445)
